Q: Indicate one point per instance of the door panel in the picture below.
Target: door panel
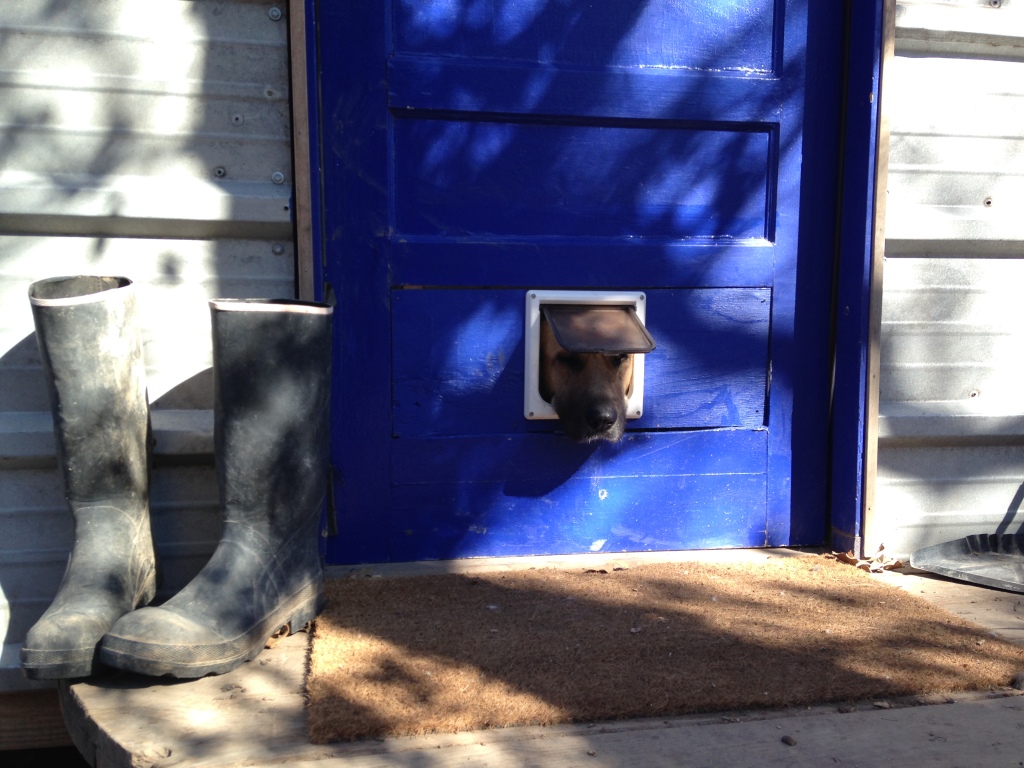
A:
(664, 33)
(474, 150)
(458, 361)
(541, 494)
(507, 179)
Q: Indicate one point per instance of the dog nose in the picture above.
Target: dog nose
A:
(601, 418)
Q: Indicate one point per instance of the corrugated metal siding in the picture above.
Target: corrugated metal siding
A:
(951, 399)
(150, 139)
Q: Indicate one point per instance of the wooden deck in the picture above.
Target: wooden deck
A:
(255, 715)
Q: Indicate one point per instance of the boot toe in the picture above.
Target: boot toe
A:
(155, 628)
(63, 645)
(156, 641)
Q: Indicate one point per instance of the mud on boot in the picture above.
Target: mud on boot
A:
(271, 364)
(91, 351)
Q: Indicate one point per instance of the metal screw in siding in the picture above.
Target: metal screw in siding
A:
(274, 13)
(278, 249)
(277, 177)
(237, 119)
(220, 171)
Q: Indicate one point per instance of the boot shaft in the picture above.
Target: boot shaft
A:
(272, 366)
(271, 371)
(91, 351)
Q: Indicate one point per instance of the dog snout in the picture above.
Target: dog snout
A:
(601, 417)
(591, 416)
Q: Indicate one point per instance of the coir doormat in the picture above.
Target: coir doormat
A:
(415, 655)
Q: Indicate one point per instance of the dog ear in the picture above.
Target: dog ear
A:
(548, 350)
(545, 387)
(626, 375)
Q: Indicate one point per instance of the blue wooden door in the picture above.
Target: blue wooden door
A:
(474, 149)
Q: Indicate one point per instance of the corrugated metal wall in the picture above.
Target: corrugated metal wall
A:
(951, 400)
(148, 139)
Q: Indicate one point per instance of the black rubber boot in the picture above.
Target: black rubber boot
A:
(92, 356)
(271, 364)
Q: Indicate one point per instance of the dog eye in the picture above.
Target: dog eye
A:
(618, 360)
(572, 362)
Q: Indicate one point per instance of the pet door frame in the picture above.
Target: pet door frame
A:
(536, 407)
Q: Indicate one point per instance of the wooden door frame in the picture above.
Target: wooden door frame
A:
(870, 38)
(857, 303)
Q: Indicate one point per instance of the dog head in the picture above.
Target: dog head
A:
(587, 389)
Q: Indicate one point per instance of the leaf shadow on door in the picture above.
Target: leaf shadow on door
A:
(551, 145)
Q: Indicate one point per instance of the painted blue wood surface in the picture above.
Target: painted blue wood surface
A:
(459, 359)
(712, 98)
(538, 463)
(616, 515)
(713, 36)
(808, 340)
(855, 274)
(596, 262)
(495, 147)
(354, 162)
(540, 494)
(475, 178)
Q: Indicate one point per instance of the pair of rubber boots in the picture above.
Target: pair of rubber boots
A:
(271, 391)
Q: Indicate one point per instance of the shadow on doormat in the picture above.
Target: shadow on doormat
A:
(427, 654)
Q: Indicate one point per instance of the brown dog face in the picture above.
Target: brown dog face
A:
(587, 390)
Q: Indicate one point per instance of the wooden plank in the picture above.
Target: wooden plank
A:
(797, 348)
(657, 33)
(948, 735)
(305, 261)
(971, 731)
(580, 515)
(549, 459)
(255, 711)
(802, 326)
(355, 206)
(174, 279)
(488, 178)
(853, 274)
(870, 536)
(31, 720)
(459, 360)
(439, 84)
(539, 494)
(597, 262)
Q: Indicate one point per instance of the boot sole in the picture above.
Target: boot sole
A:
(44, 664)
(194, 661)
